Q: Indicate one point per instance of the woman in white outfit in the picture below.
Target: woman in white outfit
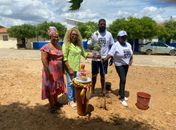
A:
(122, 54)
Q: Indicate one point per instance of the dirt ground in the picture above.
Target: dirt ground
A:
(21, 107)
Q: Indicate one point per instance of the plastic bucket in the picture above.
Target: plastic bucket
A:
(143, 100)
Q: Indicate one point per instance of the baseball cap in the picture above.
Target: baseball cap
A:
(122, 33)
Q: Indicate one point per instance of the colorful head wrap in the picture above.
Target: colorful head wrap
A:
(52, 31)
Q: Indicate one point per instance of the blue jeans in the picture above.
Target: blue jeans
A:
(70, 88)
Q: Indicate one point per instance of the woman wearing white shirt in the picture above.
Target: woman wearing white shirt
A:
(122, 54)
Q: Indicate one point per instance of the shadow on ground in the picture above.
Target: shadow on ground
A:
(19, 116)
(115, 92)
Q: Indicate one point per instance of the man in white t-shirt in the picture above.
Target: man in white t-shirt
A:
(122, 54)
(104, 40)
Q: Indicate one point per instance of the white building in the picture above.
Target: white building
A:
(69, 22)
(5, 40)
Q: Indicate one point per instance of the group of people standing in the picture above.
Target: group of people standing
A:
(58, 60)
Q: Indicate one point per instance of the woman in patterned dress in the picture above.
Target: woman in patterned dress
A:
(53, 71)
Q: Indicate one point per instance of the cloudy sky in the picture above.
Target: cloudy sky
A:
(15, 12)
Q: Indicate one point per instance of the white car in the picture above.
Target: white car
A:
(157, 48)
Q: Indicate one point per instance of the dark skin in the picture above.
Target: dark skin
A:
(122, 40)
(44, 57)
(102, 26)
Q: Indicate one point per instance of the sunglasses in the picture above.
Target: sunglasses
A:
(74, 34)
(123, 37)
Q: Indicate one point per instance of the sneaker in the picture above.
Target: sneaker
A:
(72, 104)
(124, 103)
(125, 98)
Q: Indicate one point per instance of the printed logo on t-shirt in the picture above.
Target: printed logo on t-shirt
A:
(127, 53)
(102, 41)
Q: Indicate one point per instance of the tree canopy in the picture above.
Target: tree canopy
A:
(42, 29)
(22, 31)
(86, 29)
(136, 28)
(117, 25)
(167, 31)
(31, 31)
(143, 28)
(149, 27)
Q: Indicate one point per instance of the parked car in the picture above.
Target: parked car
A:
(157, 48)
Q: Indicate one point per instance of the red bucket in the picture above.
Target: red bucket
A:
(143, 100)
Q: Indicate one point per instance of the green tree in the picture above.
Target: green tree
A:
(134, 28)
(171, 29)
(117, 25)
(162, 33)
(149, 27)
(42, 29)
(167, 31)
(134, 31)
(22, 32)
(86, 29)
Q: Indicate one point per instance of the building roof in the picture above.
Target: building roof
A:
(1, 26)
(3, 30)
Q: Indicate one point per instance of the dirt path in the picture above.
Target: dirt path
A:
(139, 60)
